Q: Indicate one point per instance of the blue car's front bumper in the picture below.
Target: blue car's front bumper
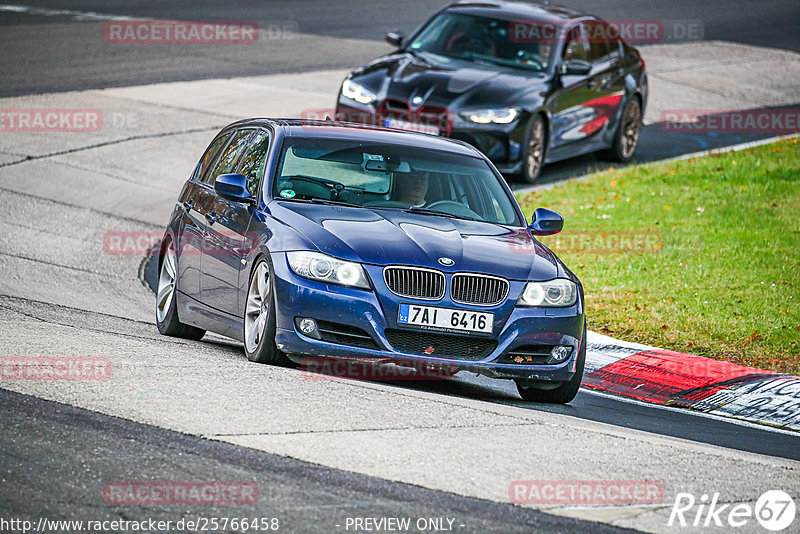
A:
(376, 311)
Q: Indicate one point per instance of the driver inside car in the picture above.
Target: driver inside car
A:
(412, 188)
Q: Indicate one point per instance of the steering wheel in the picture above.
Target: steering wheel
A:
(456, 208)
(528, 58)
(472, 43)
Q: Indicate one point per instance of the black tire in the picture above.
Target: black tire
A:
(626, 137)
(167, 319)
(534, 150)
(564, 392)
(262, 348)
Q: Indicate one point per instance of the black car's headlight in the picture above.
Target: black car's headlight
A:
(556, 293)
(324, 268)
(357, 92)
(488, 116)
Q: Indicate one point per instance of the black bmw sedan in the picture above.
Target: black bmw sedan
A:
(526, 84)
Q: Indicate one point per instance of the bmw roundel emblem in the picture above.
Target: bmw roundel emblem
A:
(447, 262)
(417, 100)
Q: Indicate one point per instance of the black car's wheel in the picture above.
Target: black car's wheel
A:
(259, 318)
(533, 153)
(564, 392)
(166, 308)
(627, 135)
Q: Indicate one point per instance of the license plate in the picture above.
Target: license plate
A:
(411, 126)
(446, 318)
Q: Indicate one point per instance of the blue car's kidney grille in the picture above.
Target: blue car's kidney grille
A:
(478, 289)
(440, 345)
(415, 282)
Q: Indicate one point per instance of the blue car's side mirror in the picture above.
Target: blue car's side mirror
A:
(546, 222)
(395, 38)
(233, 186)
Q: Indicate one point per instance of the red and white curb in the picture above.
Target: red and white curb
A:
(680, 380)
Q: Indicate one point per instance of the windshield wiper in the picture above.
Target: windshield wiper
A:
(323, 201)
(426, 211)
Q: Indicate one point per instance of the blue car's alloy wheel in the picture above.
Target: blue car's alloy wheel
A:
(166, 284)
(166, 307)
(259, 318)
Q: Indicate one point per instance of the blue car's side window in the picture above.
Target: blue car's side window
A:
(229, 157)
(210, 156)
(252, 163)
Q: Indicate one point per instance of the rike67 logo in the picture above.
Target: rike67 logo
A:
(774, 510)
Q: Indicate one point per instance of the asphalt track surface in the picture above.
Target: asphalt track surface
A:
(57, 454)
(74, 449)
(43, 52)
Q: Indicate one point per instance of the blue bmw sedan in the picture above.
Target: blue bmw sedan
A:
(319, 239)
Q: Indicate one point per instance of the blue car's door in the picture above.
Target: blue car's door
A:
(189, 240)
(226, 240)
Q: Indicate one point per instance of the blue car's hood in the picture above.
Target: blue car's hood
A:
(392, 237)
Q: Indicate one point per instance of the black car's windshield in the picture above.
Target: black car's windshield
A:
(387, 176)
(517, 44)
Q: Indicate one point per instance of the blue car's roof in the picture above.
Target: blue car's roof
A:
(344, 130)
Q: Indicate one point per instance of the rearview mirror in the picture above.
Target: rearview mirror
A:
(575, 67)
(395, 38)
(546, 222)
(232, 186)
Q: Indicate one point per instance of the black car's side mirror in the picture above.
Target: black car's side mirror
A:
(233, 186)
(575, 67)
(546, 222)
(395, 38)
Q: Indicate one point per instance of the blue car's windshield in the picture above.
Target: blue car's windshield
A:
(524, 45)
(387, 176)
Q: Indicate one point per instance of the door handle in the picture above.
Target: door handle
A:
(211, 217)
(187, 206)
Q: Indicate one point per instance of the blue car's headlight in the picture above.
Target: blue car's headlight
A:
(324, 268)
(487, 116)
(556, 293)
(357, 92)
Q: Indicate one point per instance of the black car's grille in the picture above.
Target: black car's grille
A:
(343, 334)
(527, 355)
(414, 282)
(478, 289)
(440, 345)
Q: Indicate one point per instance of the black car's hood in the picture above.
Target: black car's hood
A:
(436, 80)
(392, 237)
